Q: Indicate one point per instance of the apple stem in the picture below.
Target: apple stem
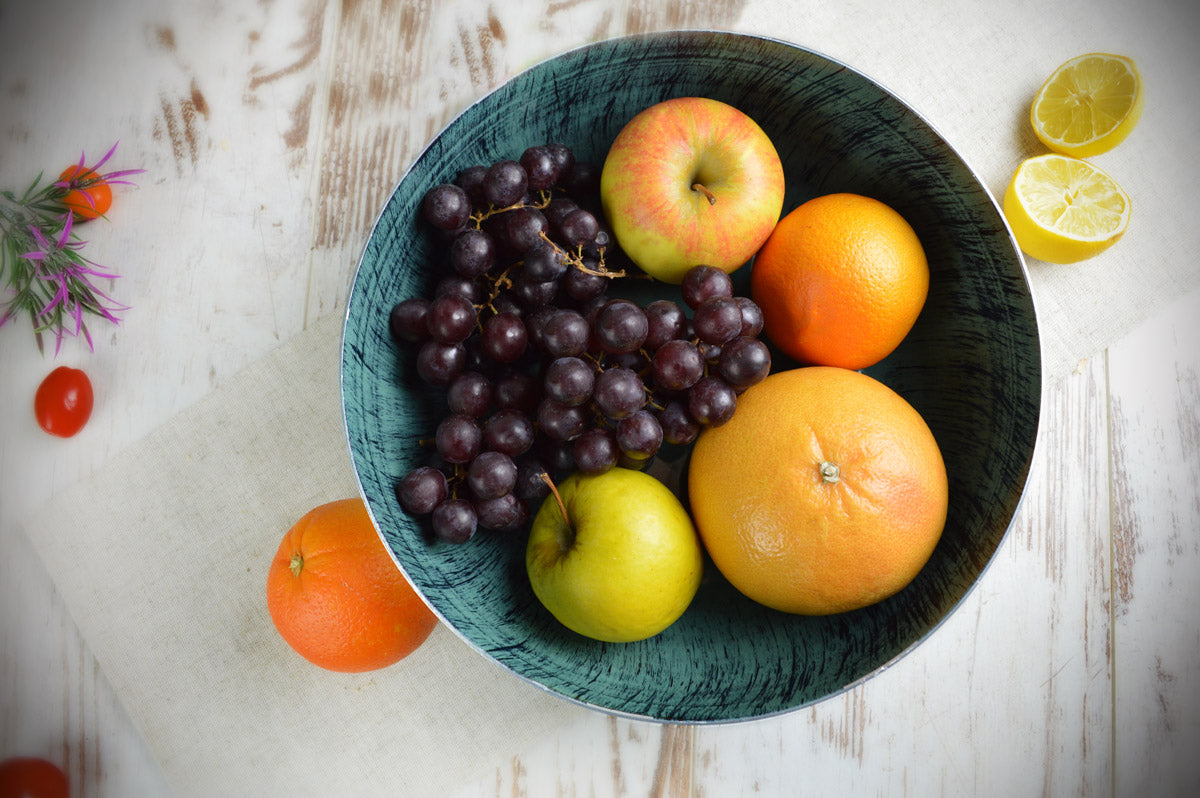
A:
(562, 508)
(712, 198)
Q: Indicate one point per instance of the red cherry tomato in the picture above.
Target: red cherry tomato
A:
(63, 403)
(93, 198)
(30, 777)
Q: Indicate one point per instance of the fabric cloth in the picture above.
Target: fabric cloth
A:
(163, 559)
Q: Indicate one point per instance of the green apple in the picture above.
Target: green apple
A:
(691, 181)
(614, 556)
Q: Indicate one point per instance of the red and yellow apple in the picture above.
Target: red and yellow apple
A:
(691, 181)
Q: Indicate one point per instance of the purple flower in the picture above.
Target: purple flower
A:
(42, 267)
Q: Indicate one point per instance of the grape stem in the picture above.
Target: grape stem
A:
(500, 282)
(575, 260)
(602, 272)
(479, 217)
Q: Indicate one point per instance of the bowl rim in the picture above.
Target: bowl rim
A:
(1034, 450)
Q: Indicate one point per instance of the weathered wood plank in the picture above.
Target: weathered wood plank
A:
(1010, 696)
(1155, 428)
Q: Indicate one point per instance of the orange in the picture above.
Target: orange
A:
(825, 492)
(841, 281)
(336, 596)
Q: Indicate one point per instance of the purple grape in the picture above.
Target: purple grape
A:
(569, 380)
(565, 334)
(540, 166)
(458, 439)
(752, 316)
(556, 210)
(535, 326)
(510, 432)
(533, 294)
(704, 282)
(524, 228)
(472, 253)
(544, 262)
(457, 285)
(454, 521)
(421, 490)
(501, 513)
(718, 320)
(406, 322)
(470, 180)
(451, 319)
(469, 394)
(504, 337)
(744, 362)
(564, 160)
(517, 390)
(477, 360)
(446, 206)
(677, 365)
(579, 228)
(595, 451)
(666, 322)
(618, 392)
(580, 285)
(491, 474)
(530, 487)
(711, 401)
(561, 422)
(507, 303)
(620, 326)
(438, 363)
(639, 435)
(558, 456)
(505, 183)
(678, 427)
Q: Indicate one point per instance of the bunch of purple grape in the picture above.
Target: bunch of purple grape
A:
(545, 372)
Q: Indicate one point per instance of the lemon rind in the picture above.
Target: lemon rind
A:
(1102, 142)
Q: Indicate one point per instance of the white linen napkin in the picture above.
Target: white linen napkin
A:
(162, 559)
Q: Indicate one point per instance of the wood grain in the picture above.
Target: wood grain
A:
(397, 73)
(1155, 462)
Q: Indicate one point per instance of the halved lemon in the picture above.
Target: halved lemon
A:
(1063, 209)
(1088, 105)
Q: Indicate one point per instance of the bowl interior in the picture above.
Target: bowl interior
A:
(971, 366)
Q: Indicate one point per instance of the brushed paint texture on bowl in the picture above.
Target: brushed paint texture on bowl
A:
(971, 366)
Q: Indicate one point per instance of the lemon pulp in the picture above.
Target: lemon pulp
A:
(1063, 209)
(1088, 105)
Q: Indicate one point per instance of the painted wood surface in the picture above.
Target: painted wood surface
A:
(1072, 668)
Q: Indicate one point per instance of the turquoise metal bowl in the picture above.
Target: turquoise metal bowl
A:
(971, 366)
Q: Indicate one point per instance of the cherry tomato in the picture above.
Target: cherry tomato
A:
(91, 199)
(30, 777)
(63, 403)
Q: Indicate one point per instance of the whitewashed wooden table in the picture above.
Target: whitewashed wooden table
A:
(271, 133)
